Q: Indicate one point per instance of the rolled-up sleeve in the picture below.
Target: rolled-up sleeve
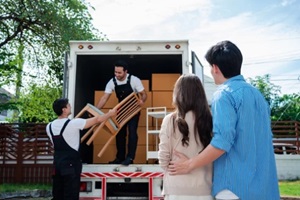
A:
(224, 122)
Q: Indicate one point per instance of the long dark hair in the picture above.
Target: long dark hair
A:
(189, 95)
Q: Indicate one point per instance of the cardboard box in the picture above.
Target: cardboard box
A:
(109, 154)
(146, 85)
(162, 99)
(140, 155)
(103, 136)
(164, 82)
(148, 102)
(142, 134)
(143, 118)
(111, 102)
(111, 151)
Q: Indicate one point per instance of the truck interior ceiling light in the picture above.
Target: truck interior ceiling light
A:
(80, 46)
(168, 46)
(177, 46)
(90, 46)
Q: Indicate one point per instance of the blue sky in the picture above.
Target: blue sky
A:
(267, 32)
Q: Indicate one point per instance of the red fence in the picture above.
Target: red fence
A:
(286, 137)
(26, 152)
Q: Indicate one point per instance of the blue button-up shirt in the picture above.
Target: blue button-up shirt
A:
(242, 128)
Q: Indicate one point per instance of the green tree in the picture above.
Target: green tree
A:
(8, 70)
(287, 108)
(35, 103)
(44, 28)
(34, 34)
(283, 107)
(269, 90)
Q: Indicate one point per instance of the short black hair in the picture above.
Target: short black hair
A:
(121, 63)
(227, 57)
(59, 104)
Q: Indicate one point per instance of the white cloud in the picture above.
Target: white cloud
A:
(265, 37)
(120, 19)
(287, 2)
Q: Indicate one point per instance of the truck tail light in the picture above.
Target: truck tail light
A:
(86, 186)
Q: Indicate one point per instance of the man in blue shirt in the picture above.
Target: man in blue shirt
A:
(241, 149)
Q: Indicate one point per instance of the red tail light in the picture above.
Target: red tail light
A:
(86, 186)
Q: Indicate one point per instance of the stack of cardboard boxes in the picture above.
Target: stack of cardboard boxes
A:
(158, 95)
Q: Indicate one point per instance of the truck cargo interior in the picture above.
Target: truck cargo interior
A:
(94, 71)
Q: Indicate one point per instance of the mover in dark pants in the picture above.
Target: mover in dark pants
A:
(65, 136)
(124, 84)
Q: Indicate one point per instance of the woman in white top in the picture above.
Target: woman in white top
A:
(188, 129)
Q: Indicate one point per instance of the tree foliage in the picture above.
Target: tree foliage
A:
(8, 70)
(269, 90)
(283, 107)
(36, 103)
(287, 108)
(34, 34)
(44, 28)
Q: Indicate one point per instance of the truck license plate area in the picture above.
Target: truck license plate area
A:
(127, 191)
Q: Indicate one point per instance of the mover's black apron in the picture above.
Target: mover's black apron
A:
(67, 168)
(122, 91)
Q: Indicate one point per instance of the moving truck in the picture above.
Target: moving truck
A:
(88, 67)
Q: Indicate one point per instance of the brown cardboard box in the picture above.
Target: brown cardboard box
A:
(142, 134)
(112, 101)
(148, 102)
(146, 84)
(103, 136)
(108, 155)
(143, 118)
(164, 82)
(162, 99)
(140, 155)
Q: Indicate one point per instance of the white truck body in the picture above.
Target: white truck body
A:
(88, 68)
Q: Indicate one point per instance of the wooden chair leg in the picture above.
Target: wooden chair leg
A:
(96, 131)
(88, 133)
(106, 144)
(82, 111)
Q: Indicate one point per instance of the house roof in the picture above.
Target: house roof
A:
(4, 91)
(7, 96)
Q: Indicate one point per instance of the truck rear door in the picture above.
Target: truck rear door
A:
(197, 67)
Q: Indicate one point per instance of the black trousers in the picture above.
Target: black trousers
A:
(66, 181)
(131, 125)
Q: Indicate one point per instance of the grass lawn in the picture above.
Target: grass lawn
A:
(23, 187)
(287, 188)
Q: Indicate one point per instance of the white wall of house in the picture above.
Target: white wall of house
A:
(288, 167)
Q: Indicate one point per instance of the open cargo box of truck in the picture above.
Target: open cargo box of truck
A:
(88, 68)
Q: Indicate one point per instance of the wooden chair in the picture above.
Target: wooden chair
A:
(126, 109)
